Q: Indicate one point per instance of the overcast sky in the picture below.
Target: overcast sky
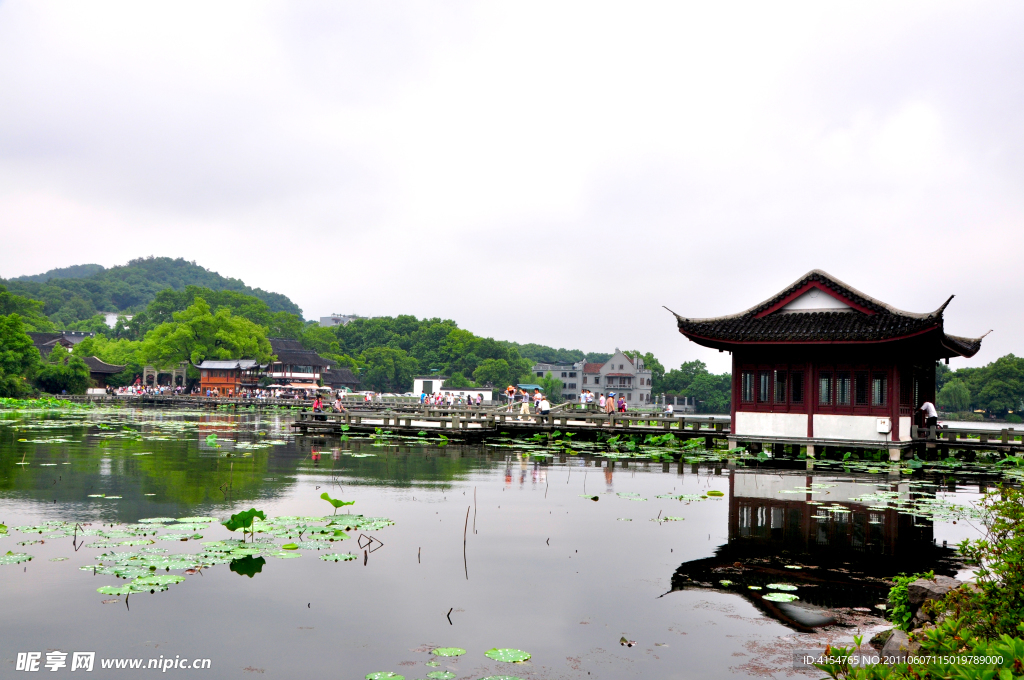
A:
(541, 172)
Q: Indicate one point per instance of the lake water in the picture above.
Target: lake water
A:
(560, 555)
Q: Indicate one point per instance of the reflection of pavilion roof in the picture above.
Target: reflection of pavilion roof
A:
(828, 578)
(848, 550)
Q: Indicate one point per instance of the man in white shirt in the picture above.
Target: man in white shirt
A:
(544, 405)
(931, 417)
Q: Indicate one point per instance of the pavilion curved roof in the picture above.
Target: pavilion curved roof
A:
(862, 319)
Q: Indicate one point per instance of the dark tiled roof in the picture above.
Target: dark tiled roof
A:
(97, 366)
(340, 376)
(285, 345)
(878, 323)
(304, 358)
(292, 353)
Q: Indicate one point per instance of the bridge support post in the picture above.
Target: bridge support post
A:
(894, 455)
(810, 450)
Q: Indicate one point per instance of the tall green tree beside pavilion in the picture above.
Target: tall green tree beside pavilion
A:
(197, 333)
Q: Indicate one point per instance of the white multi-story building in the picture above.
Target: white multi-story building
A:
(569, 374)
(620, 375)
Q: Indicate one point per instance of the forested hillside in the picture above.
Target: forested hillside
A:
(72, 301)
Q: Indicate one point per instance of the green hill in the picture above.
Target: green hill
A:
(71, 295)
(78, 271)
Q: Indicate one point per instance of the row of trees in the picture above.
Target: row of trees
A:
(997, 388)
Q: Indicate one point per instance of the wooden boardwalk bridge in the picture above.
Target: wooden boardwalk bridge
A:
(474, 423)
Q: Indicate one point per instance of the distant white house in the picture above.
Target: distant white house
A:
(337, 320)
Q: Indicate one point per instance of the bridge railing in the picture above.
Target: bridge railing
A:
(951, 435)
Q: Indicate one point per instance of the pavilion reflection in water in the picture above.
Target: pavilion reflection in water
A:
(845, 549)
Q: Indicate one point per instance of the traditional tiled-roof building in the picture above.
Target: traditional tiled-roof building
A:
(821, 359)
(295, 365)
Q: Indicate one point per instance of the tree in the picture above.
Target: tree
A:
(456, 381)
(1003, 385)
(120, 352)
(18, 356)
(711, 392)
(387, 370)
(197, 334)
(678, 379)
(954, 396)
(651, 364)
(29, 311)
(64, 372)
(19, 359)
(551, 387)
(496, 372)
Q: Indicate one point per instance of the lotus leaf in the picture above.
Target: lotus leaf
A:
(726, 582)
(158, 580)
(157, 520)
(197, 519)
(58, 559)
(715, 492)
(243, 520)
(284, 554)
(781, 586)
(289, 546)
(449, 651)
(114, 590)
(501, 677)
(441, 675)
(384, 675)
(338, 557)
(335, 502)
(432, 664)
(14, 558)
(780, 597)
(507, 655)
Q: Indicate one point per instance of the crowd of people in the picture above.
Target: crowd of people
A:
(448, 399)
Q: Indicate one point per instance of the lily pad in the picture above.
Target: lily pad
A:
(507, 655)
(782, 586)
(338, 557)
(384, 675)
(441, 675)
(715, 492)
(501, 677)
(193, 520)
(449, 651)
(114, 590)
(14, 558)
(289, 546)
(780, 597)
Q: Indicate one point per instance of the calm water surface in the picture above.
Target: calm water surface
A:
(544, 568)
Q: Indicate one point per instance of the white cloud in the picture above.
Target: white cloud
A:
(572, 166)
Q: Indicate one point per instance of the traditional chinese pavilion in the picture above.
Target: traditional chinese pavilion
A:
(822, 360)
(226, 378)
